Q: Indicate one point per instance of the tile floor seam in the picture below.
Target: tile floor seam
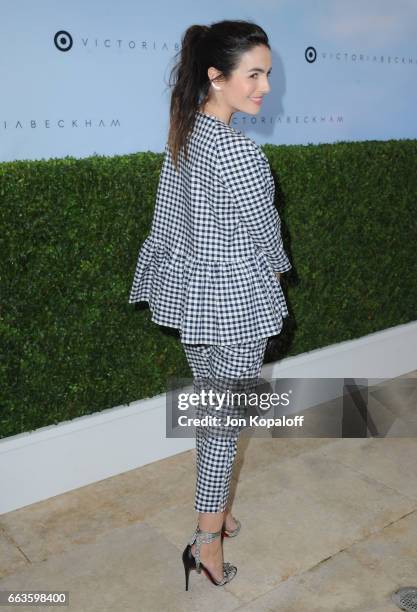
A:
(290, 577)
(178, 504)
(381, 570)
(399, 493)
(245, 602)
(13, 543)
(346, 549)
(354, 541)
(321, 450)
(179, 547)
(400, 518)
(242, 602)
(312, 567)
(67, 551)
(322, 561)
(280, 461)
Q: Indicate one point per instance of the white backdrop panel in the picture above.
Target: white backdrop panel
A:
(342, 70)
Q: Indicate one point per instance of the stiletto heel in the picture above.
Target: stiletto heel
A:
(191, 562)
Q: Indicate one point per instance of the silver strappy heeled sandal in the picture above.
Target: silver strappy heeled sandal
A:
(233, 533)
(191, 562)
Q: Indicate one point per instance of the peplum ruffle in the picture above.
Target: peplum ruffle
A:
(224, 301)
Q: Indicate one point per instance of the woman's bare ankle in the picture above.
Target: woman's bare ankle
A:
(212, 559)
(213, 550)
(211, 554)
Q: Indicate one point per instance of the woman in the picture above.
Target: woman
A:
(211, 264)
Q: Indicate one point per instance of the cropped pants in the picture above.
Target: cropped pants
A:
(230, 371)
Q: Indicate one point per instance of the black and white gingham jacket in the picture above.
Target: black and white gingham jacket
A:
(208, 264)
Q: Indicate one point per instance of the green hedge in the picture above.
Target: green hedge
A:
(70, 234)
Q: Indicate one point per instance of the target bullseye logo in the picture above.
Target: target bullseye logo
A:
(63, 40)
(311, 55)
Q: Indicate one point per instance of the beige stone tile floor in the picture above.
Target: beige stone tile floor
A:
(328, 524)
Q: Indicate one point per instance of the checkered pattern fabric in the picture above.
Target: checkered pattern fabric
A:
(234, 368)
(208, 264)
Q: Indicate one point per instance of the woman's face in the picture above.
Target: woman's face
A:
(248, 83)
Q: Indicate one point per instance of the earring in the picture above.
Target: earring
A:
(215, 86)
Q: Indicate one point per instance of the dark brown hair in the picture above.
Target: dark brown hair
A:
(220, 45)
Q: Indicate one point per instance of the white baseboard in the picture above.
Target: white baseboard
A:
(58, 458)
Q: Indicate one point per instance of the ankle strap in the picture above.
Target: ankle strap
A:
(207, 536)
(202, 537)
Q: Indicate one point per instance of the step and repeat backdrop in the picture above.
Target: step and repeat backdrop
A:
(84, 77)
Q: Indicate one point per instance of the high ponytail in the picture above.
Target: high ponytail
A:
(219, 45)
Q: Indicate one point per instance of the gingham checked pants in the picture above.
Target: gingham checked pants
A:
(220, 368)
